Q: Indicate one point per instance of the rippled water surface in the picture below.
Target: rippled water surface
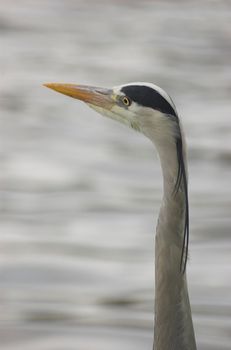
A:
(80, 194)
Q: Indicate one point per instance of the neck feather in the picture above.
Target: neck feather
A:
(173, 322)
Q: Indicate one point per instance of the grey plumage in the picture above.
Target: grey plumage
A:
(147, 108)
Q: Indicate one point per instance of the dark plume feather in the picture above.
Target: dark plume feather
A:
(181, 182)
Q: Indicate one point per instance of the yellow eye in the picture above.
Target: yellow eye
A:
(126, 101)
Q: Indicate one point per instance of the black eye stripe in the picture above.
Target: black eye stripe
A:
(148, 97)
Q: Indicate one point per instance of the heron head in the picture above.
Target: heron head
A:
(149, 109)
(143, 106)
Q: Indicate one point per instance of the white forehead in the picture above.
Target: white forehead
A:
(152, 86)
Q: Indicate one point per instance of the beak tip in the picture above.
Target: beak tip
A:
(48, 85)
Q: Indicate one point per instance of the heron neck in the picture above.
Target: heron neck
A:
(173, 322)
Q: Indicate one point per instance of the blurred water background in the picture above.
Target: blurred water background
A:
(80, 194)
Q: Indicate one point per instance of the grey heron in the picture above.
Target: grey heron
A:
(149, 109)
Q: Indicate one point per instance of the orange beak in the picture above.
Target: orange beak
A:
(93, 95)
